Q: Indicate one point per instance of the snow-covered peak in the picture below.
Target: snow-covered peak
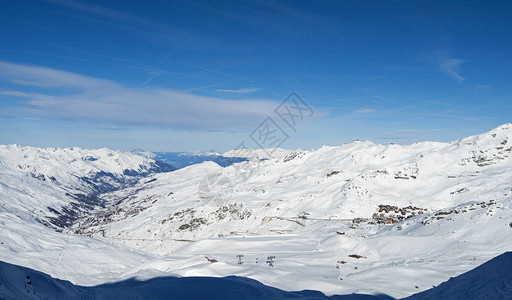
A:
(57, 184)
(143, 153)
(64, 164)
(494, 137)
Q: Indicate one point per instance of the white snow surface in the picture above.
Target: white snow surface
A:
(491, 280)
(299, 207)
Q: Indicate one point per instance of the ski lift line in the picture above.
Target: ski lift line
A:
(312, 219)
(243, 233)
(268, 219)
(281, 231)
(128, 239)
(298, 219)
(281, 253)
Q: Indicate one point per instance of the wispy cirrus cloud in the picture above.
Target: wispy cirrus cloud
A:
(54, 94)
(373, 78)
(240, 91)
(364, 110)
(160, 33)
(451, 66)
(46, 77)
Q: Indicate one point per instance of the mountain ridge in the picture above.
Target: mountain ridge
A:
(72, 177)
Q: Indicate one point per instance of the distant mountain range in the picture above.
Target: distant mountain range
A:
(181, 160)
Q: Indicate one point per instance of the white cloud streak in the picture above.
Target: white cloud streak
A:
(364, 110)
(451, 66)
(240, 91)
(46, 77)
(64, 95)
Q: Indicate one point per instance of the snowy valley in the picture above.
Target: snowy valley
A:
(358, 218)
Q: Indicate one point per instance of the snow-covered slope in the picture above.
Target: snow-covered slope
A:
(24, 283)
(491, 280)
(360, 217)
(79, 259)
(53, 185)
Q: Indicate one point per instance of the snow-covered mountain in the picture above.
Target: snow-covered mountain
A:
(357, 218)
(55, 185)
(382, 184)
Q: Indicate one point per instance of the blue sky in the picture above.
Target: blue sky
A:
(202, 75)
